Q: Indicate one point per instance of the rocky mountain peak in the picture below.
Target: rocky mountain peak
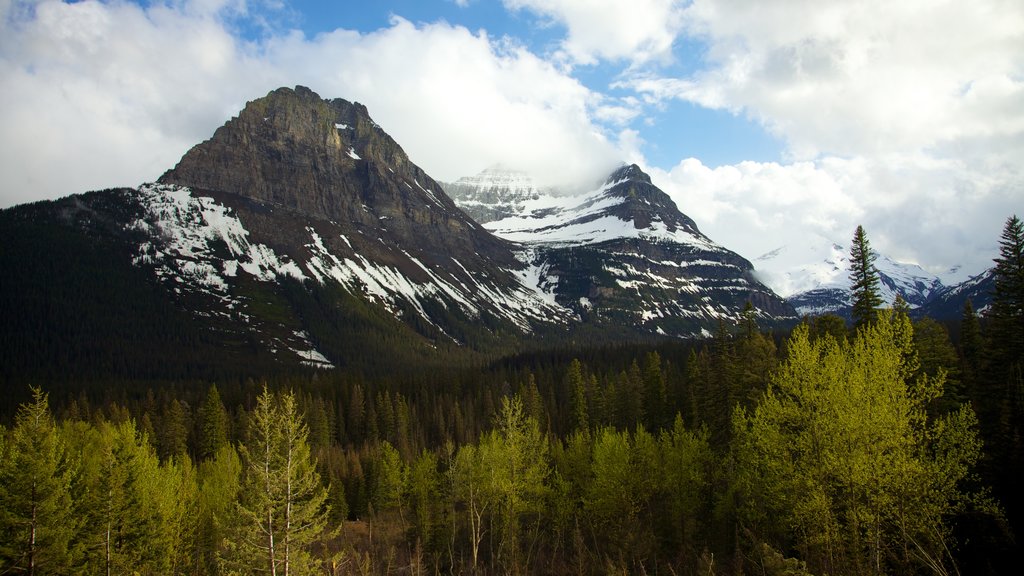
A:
(645, 204)
(628, 172)
(295, 149)
(327, 159)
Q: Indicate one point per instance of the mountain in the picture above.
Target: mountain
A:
(948, 304)
(495, 193)
(814, 277)
(622, 254)
(299, 234)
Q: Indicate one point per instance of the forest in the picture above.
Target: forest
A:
(885, 447)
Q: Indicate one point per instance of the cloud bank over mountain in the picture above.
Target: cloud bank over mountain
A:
(907, 118)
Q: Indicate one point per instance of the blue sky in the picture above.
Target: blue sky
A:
(772, 124)
(671, 130)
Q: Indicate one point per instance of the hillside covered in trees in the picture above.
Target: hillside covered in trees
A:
(882, 449)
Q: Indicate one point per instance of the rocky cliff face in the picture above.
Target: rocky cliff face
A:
(327, 159)
(319, 191)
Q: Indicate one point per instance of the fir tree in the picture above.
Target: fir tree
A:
(864, 280)
(213, 424)
(283, 509)
(1001, 394)
(36, 520)
(1007, 312)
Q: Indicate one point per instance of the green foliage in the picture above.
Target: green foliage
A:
(219, 484)
(863, 279)
(37, 523)
(840, 460)
(283, 507)
(840, 454)
(213, 425)
(515, 454)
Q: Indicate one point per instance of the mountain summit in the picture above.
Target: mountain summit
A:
(624, 254)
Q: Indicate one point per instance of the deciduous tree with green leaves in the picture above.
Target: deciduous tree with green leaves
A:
(515, 454)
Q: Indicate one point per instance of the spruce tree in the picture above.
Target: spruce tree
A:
(1007, 312)
(213, 425)
(36, 520)
(1001, 394)
(283, 508)
(864, 280)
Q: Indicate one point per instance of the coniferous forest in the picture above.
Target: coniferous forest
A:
(883, 448)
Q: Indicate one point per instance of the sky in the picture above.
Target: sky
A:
(771, 124)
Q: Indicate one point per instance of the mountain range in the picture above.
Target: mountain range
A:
(813, 277)
(301, 234)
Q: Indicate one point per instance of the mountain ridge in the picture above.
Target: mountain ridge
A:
(625, 251)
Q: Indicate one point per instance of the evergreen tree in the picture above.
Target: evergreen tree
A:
(1007, 312)
(174, 437)
(36, 517)
(576, 388)
(219, 479)
(283, 507)
(972, 346)
(213, 424)
(1001, 394)
(864, 280)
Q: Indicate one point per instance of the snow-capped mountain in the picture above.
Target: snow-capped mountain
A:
(495, 193)
(814, 277)
(624, 253)
(301, 233)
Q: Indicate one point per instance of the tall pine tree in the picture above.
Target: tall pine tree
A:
(36, 519)
(863, 280)
(1001, 394)
(283, 509)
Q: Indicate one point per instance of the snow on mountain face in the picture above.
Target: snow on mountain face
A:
(199, 245)
(815, 277)
(494, 193)
(613, 211)
(624, 253)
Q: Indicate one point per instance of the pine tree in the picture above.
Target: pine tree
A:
(864, 280)
(1001, 394)
(36, 520)
(580, 420)
(213, 424)
(283, 508)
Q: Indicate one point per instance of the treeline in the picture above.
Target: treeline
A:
(838, 454)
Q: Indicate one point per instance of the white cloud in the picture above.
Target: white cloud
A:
(637, 31)
(860, 78)
(456, 100)
(916, 210)
(97, 94)
(907, 117)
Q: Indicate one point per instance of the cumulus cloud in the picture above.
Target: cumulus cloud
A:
(906, 117)
(859, 78)
(917, 210)
(637, 31)
(99, 94)
(457, 100)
